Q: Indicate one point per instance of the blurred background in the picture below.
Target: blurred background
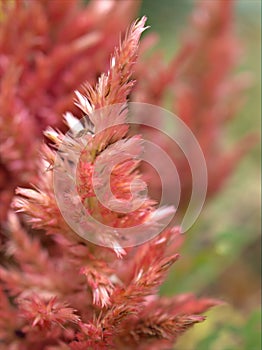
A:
(221, 256)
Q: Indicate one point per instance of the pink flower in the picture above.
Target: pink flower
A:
(68, 293)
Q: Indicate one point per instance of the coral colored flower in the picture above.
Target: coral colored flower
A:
(68, 293)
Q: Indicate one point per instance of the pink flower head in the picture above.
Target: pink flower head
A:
(68, 293)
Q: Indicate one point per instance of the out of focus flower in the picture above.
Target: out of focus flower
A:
(205, 92)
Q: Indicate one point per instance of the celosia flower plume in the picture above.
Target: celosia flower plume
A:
(63, 292)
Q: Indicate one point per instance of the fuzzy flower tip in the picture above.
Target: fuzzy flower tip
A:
(95, 148)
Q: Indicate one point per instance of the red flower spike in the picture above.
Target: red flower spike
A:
(67, 293)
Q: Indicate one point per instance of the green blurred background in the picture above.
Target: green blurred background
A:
(221, 257)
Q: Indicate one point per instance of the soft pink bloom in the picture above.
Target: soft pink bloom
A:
(68, 293)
